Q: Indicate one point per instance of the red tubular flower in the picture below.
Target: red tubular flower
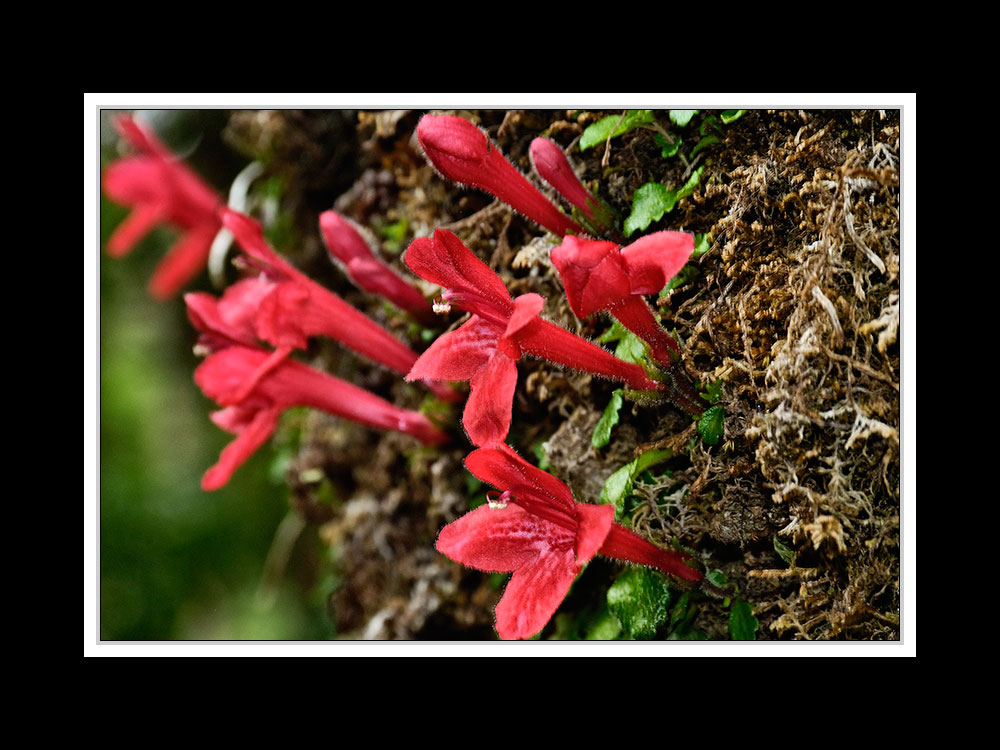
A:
(161, 190)
(463, 153)
(552, 166)
(347, 245)
(289, 307)
(539, 532)
(484, 350)
(599, 276)
(253, 416)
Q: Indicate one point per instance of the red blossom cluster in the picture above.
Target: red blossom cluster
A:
(532, 526)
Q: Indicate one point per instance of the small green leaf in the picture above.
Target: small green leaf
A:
(702, 244)
(640, 599)
(631, 348)
(708, 122)
(784, 551)
(705, 142)
(682, 117)
(614, 125)
(712, 392)
(710, 425)
(649, 204)
(742, 624)
(602, 430)
(618, 486)
(613, 334)
(717, 578)
(668, 149)
(731, 115)
(692, 184)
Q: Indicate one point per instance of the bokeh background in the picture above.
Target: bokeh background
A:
(177, 563)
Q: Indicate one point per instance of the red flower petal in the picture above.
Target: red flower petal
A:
(250, 235)
(182, 262)
(502, 467)
(234, 455)
(593, 274)
(655, 259)
(137, 225)
(595, 524)
(488, 411)
(498, 540)
(444, 260)
(459, 354)
(526, 309)
(535, 592)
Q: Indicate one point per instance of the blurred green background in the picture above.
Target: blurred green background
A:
(177, 563)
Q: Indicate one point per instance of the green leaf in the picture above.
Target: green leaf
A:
(784, 551)
(654, 199)
(640, 599)
(682, 117)
(742, 624)
(731, 115)
(649, 204)
(708, 122)
(702, 244)
(712, 392)
(710, 425)
(614, 333)
(705, 142)
(618, 486)
(614, 125)
(602, 430)
(605, 628)
(631, 348)
(692, 184)
(717, 578)
(668, 149)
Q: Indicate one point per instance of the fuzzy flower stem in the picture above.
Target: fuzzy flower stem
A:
(549, 341)
(463, 153)
(623, 544)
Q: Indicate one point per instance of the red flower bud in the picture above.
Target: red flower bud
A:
(463, 153)
(347, 245)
